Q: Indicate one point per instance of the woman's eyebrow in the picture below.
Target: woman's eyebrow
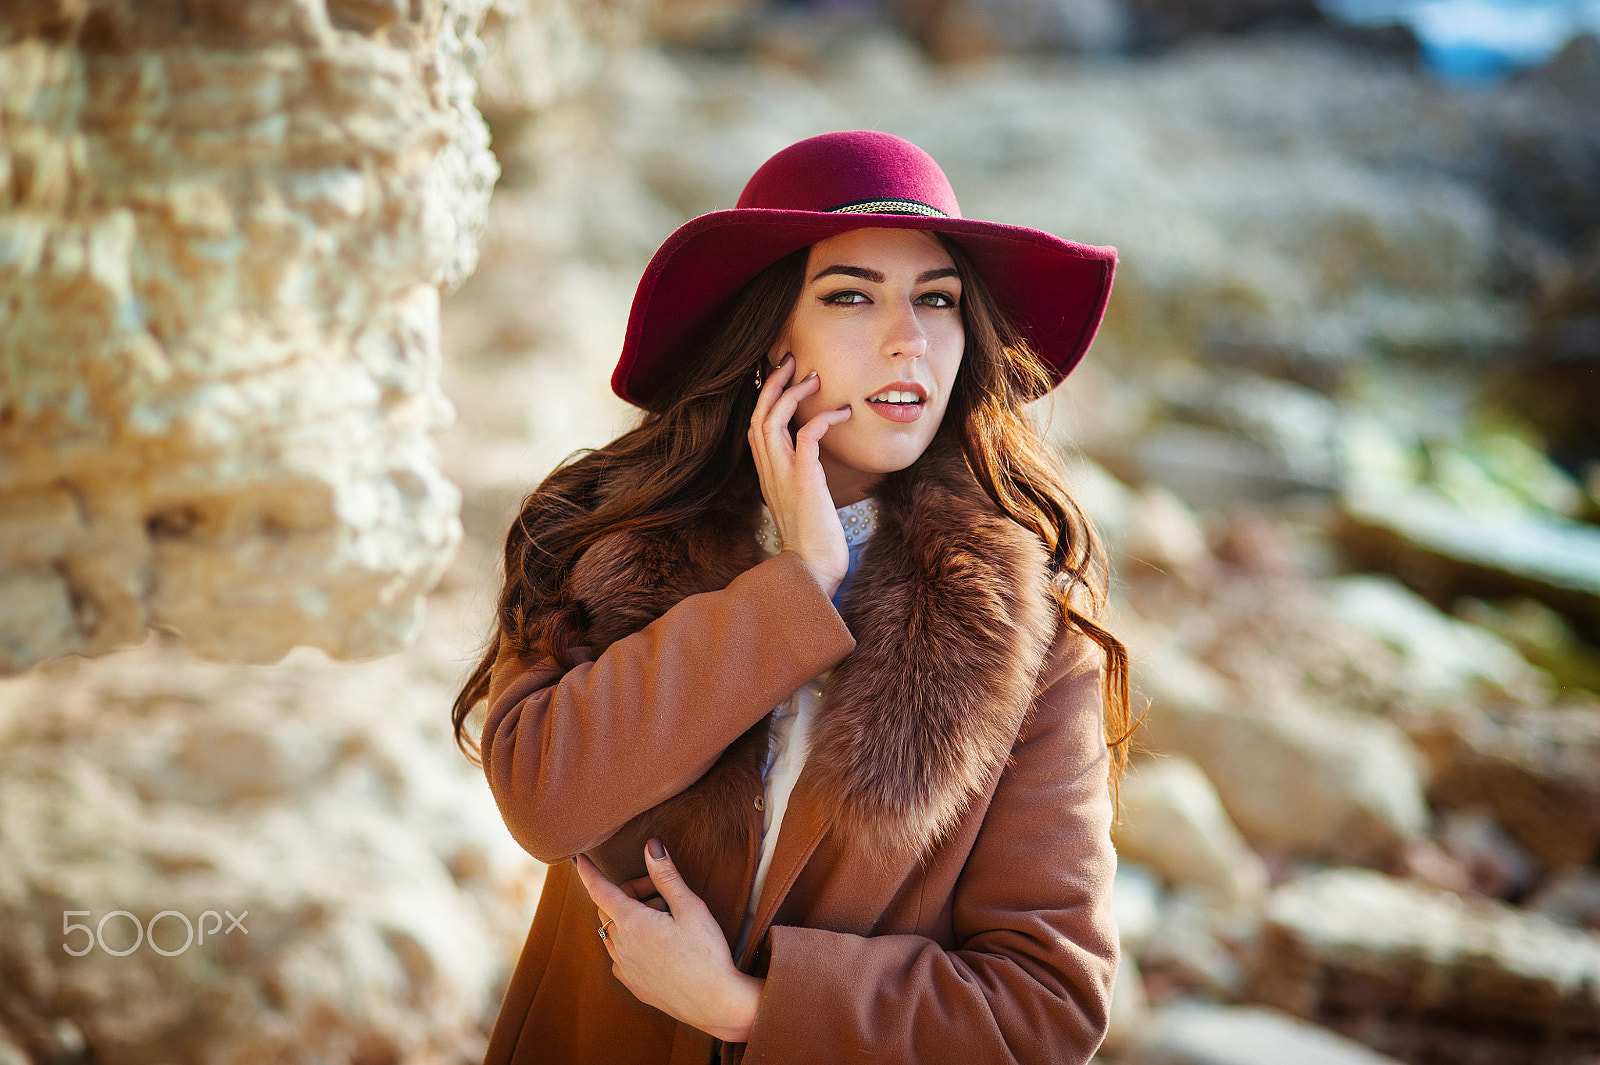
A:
(852, 271)
(876, 277)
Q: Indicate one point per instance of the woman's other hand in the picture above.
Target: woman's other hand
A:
(673, 959)
(792, 478)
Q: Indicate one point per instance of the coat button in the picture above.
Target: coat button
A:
(761, 803)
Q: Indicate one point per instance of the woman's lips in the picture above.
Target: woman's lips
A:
(898, 412)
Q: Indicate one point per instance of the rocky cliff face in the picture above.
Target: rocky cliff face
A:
(224, 227)
(223, 230)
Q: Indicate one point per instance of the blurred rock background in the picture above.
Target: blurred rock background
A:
(223, 238)
(1338, 431)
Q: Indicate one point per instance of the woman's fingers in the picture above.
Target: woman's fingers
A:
(676, 960)
(769, 389)
(792, 478)
(604, 893)
(770, 392)
(775, 426)
(664, 874)
(606, 896)
(777, 380)
(644, 889)
(770, 442)
(610, 901)
(608, 923)
(806, 441)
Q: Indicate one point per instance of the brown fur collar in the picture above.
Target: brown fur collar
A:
(952, 614)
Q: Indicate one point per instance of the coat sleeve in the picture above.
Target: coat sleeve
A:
(571, 757)
(1030, 978)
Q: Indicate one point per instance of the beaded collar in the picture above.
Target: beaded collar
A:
(858, 519)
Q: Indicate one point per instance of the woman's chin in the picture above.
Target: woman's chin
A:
(880, 459)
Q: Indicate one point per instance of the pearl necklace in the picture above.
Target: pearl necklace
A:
(858, 519)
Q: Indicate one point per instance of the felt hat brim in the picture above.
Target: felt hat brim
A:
(1053, 290)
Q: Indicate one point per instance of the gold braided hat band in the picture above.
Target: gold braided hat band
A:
(889, 207)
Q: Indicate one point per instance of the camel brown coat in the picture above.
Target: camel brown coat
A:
(940, 891)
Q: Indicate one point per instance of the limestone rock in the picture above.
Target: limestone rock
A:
(1572, 897)
(1542, 635)
(1553, 385)
(1388, 447)
(222, 237)
(1256, 543)
(1426, 862)
(1172, 822)
(695, 21)
(1427, 976)
(1215, 467)
(1546, 157)
(1161, 23)
(1281, 437)
(1136, 903)
(1445, 551)
(538, 52)
(1438, 656)
(1340, 785)
(1574, 72)
(1163, 533)
(1498, 867)
(1195, 947)
(1099, 493)
(380, 900)
(959, 30)
(1523, 767)
(1191, 1034)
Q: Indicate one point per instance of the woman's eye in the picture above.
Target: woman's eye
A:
(938, 299)
(845, 298)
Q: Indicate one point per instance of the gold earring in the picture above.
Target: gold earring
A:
(759, 377)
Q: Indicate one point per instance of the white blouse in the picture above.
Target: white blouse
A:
(790, 734)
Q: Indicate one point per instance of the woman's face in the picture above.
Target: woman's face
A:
(879, 320)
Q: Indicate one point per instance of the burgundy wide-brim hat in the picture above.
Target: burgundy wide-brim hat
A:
(1053, 290)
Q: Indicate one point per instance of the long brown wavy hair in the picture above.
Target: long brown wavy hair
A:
(689, 458)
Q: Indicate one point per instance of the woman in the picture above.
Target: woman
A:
(797, 685)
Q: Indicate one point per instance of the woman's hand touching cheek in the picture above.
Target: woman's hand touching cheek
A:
(792, 479)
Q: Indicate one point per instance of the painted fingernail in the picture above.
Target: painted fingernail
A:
(808, 377)
(658, 850)
(786, 360)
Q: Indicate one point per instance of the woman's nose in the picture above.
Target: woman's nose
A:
(904, 334)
